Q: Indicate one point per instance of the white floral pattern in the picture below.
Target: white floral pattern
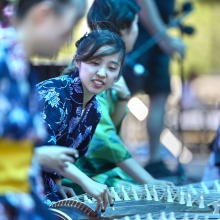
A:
(61, 99)
(19, 120)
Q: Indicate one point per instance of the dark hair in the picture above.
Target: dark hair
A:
(90, 43)
(3, 4)
(23, 6)
(114, 15)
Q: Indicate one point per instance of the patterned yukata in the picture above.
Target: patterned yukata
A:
(212, 171)
(19, 121)
(67, 122)
(105, 150)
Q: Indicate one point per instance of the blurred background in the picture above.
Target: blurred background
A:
(192, 113)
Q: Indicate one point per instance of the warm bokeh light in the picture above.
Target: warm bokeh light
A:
(186, 156)
(138, 108)
(174, 145)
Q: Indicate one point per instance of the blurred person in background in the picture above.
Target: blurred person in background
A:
(28, 28)
(154, 18)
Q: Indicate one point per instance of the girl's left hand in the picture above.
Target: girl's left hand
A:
(65, 191)
(121, 88)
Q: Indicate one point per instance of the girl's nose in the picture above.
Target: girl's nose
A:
(101, 72)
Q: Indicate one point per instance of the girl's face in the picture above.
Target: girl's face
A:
(99, 75)
(129, 36)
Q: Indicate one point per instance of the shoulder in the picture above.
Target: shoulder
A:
(59, 83)
(102, 99)
(105, 103)
(54, 87)
(97, 106)
(53, 82)
(102, 96)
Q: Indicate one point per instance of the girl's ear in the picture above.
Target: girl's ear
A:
(77, 64)
(124, 32)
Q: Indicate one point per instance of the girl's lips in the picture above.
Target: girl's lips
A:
(98, 82)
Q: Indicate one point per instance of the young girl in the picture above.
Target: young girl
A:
(34, 31)
(71, 110)
(106, 150)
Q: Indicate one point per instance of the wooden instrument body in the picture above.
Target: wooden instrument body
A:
(143, 205)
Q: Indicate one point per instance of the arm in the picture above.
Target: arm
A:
(150, 18)
(138, 173)
(152, 22)
(54, 158)
(133, 169)
(123, 94)
(119, 112)
(99, 191)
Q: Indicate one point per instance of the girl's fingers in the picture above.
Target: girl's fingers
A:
(66, 158)
(71, 193)
(110, 199)
(99, 204)
(63, 194)
(105, 200)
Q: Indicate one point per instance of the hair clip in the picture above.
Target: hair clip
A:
(81, 39)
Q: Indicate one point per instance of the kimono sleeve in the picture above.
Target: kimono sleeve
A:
(5, 105)
(51, 105)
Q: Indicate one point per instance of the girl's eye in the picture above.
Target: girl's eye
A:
(94, 63)
(112, 68)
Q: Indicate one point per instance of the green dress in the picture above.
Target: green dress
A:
(105, 150)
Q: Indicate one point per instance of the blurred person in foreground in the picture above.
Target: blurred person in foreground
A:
(28, 28)
(155, 15)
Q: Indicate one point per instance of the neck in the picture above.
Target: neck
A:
(86, 97)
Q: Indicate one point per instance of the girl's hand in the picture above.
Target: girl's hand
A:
(54, 158)
(121, 88)
(65, 191)
(100, 192)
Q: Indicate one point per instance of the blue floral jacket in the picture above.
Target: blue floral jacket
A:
(20, 119)
(68, 125)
